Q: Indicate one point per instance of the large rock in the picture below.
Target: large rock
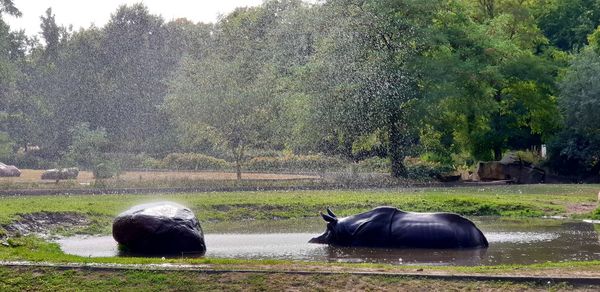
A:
(9, 171)
(159, 228)
(61, 174)
(512, 169)
(493, 170)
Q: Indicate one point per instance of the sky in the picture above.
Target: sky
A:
(82, 13)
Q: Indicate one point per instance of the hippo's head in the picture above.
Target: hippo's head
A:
(329, 236)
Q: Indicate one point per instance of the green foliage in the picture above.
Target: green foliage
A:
(230, 93)
(576, 150)
(8, 7)
(32, 160)
(567, 23)
(575, 153)
(425, 170)
(106, 169)
(596, 214)
(362, 79)
(529, 156)
(349, 78)
(134, 161)
(6, 147)
(579, 91)
(296, 163)
(194, 161)
(375, 164)
(490, 87)
(87, 147)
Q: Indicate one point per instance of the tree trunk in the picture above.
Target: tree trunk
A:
(238, 169)
(239, 155)
(396, 151)
(596, 170)
(497, 153)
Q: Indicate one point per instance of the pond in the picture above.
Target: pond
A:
(511, 242)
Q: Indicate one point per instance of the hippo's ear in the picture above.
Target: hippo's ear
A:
(328, 218)
(331, 213)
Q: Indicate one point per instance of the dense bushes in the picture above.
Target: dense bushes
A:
(575, 154)
(30, 160)
(135, 161)
(424, 170)
(107, 169)
(296, 162)
(374, 164)
(194, 161)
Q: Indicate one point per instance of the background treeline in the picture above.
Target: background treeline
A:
(446, 82)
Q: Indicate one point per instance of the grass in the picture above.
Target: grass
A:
(47, 279)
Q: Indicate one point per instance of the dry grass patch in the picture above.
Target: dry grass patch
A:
(87, 177)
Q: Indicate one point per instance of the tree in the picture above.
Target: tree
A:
(113, 77)
(51, 33)
(87, 146)
(6, 146)
(567, 23)
(15, 121)
(137, 63)
(576, 150)
(490, 88)
(362, 78)
(227, 94)
(8, 7)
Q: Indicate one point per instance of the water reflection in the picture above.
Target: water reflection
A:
(511, 242)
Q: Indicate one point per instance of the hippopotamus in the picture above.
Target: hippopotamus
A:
(388, 227)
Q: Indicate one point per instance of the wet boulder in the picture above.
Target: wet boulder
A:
(61, 174)
(9, 171)
(159, 228)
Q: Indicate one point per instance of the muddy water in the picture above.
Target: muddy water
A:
(511, 242)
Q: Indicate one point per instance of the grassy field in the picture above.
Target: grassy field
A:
(212, 209)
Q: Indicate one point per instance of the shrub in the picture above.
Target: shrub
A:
(107, 169)
(424, 170)
(152, 163)
(194, 161)
(529, 156)
(31, 160)
(87, 146)
(575, 153)
(6, 145)
(375, 164)
(134, 161)
(296, 162)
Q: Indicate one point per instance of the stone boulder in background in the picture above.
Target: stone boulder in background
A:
(512, 169)
(159, 228)
(61, 174)
(9, 171)
(493, 170)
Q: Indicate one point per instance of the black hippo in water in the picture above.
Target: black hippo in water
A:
(390, 227)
